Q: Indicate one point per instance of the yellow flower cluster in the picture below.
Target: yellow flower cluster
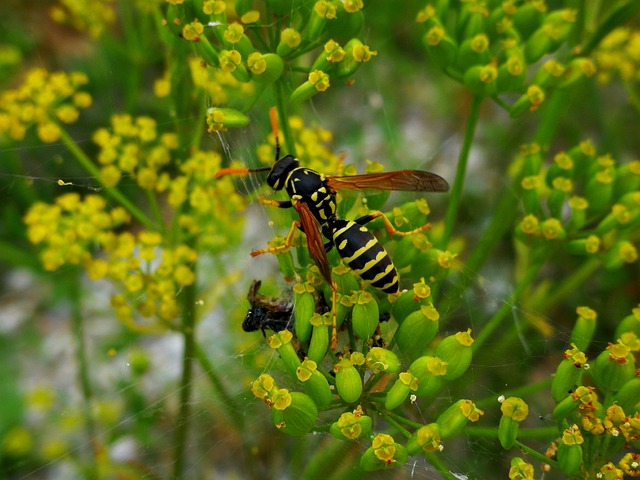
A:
(92, 16)
(43, 99)
(71, 227)
(619, 53)
(133, 147)
(312, 147)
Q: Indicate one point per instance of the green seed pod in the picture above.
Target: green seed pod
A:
(538, 45)
(529, 101)
(528, 18)
(298, 418)
(426, 439)
(579, 68)
(382, 360)
(584, 329)
(511, 75)
(243, 6)
(599, 190)
(383, 454)
(482, 79)
(346, 24)
(429, 371)
(630, 323)
(569, 404)
(473, 51)
(628, 397)
(319, 342)
(456, 351)
(352, 426)
(205, 50)
(404, 305)
(356, 53)
(441, 48)
(453, 420)
(365, 315)
(318, 82)
(514, 411)
(570, 452)
(223, 118)
(613, 368)
(348, 381)
(400, 390)
(304, 306)
(315, 25)
(282, 342)
(265, 68)
(315, 384)
(416, 331)
(290, 40)
(567, 374)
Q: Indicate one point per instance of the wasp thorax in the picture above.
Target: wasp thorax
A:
(278, 174)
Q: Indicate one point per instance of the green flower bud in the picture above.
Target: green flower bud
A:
(205, 50)
(426, 439)
(383, 454)
(382, 360)
(365, 315)
(352, 426)
(514, 410)
(304, 306)
(456, 351)
(319, 15)
(347, 24)
(614, 367)
(578, 219)
(348, 381)
(512, 74)
(315, 384)
(416, 331)
(599, 189)
(318, 82)
(628, 397)
(453, 420)
(223, 118)
(549, 74)
(570, 452)
(429, 371)
(579, 68)
(520, 469)
(584, 328)
(482, 79)
(400, 390)
(298, 417)
(441, 48)
(331, 55)
(319, 342)
(265, 68)
(568, 373)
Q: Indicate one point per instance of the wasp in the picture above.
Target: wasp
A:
(313, 195)
(267, 313)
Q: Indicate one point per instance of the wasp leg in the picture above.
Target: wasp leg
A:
(388, 225)
(334, 316)
(280, 248)
(275, 203)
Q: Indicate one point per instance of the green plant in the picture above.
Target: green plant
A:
(163, 231)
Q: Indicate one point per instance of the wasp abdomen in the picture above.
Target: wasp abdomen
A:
(363, 253)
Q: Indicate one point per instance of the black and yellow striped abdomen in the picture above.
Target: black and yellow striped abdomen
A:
(363, 253)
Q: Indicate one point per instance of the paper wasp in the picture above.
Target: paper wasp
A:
(313, 195)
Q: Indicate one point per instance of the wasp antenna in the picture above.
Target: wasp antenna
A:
(273, 115)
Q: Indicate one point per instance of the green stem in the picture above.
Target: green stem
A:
(232, 407)
(461, 170)
(83, 370)
(114, 193)
(571, 284)
(186, 384)
(507, 306)
(284, 120)
(537, 455)
(501, 223)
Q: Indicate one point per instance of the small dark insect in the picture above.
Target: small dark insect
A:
(267, 313)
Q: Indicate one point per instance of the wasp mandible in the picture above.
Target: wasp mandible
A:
(313, 195)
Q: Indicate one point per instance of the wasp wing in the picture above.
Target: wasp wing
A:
(404, 180)
(311, 229)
